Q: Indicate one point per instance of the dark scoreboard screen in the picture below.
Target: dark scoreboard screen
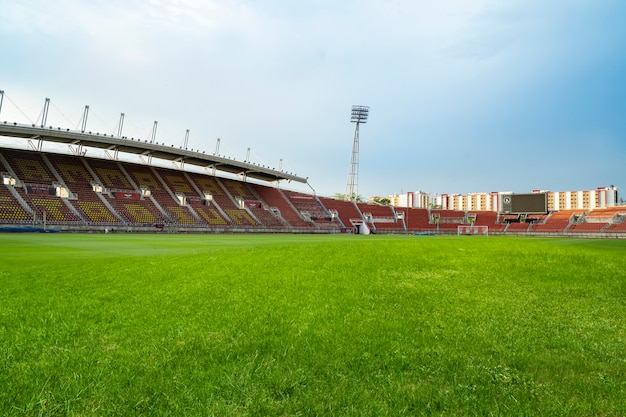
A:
(524, 203)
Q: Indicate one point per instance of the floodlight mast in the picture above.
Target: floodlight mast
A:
(358, 116)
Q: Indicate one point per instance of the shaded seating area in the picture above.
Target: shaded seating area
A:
(245, 195)
(111, 175)
(518, 223)
(152, 187)
(29, 167)
(220, 200)
(52, 210)
(135, 210)
(11, 211)
(81, 195)
(180, 188)
(184, 187)
(210, 215)
(122, 195)
(38, 188)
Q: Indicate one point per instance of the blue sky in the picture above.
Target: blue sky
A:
(465, 96)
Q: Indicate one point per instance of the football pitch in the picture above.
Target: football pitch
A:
(290, 325)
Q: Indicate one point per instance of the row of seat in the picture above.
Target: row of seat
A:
(164, 203)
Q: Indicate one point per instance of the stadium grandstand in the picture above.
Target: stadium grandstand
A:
(47, 190)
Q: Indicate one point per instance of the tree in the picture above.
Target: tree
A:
(382, 200)
(341, 196)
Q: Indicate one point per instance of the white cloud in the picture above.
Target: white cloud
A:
(280, 77)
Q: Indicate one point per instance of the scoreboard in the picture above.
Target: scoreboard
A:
(534, 203)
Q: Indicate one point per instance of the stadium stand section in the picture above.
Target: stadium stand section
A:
(418, 220)
(346, 211)
(381, 217)
(598, 220)
(153, 188)
(247, 199)
(12, 211)
(556, 222)
(28, 166)
(80, 183)
(124, 196)
(587, 227)
(614, 219)
(517, 227)
(487, 218)
(38, 188)
(312, 210)
(277, 202)
(74, 192)
(616, 227)
(448, 219)
(216, 195)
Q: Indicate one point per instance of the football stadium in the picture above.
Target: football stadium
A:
(188, 283)
(49, 191)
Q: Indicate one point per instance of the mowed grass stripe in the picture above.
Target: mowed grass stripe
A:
(311, 325)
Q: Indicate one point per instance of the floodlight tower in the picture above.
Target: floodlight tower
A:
(359, 115)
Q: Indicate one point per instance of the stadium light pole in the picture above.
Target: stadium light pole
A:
(359, 115)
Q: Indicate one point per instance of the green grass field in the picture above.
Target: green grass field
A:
(254, 325)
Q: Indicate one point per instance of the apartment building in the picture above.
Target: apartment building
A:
(601, 197)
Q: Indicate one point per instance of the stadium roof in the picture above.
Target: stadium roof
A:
(146, 148)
